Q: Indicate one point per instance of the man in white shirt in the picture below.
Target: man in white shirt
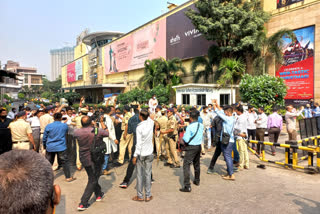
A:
(262, 124)
(143, 156)
(240, 133)
(35, 126)
(251, 126)
(153, 102)
(206, 118)
(291, 121)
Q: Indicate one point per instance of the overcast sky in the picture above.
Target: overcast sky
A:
(30, 28)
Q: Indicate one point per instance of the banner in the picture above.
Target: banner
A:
(183, 39)
(71, 73)
(78, 68)
(298, 66)
(132, 51)
(284, 3)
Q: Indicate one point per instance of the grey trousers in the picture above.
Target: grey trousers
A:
(144, 169)
(36, 137)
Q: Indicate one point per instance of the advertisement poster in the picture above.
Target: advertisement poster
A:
(78, 68)
(298, 65)
(132, 51)
(284, 3)
(71, 72)
(183, 39)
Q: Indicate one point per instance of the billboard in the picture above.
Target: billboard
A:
(183, 39)
(78, 69)
(71, 72)
(284, 3)
(298, 65)
(132, 51)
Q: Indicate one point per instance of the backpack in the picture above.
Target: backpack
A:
(97, 149)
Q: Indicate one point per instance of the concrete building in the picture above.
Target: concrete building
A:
(31, 77)
(10, 83)
(172, 34)
(60, 57)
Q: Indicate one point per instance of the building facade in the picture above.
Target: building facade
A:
(30, 75)
(121, 61)
(60, 57)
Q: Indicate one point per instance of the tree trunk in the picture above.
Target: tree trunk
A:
(249, 64)
(231, 94)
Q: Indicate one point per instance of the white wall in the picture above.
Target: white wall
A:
(211, 93)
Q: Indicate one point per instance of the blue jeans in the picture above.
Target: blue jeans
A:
(236, 155)
(227, 150)
(105, 164)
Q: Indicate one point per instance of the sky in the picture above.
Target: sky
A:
(30, 29)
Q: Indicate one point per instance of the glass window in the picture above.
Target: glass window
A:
(224, 99)
(185, 99)
(201, 99)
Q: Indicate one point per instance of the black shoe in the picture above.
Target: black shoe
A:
(162, 158)
(167, 164)
(117, 164)
(197, 183)
(185, 189)
(173, 166)
(124, 185)
(82, 207)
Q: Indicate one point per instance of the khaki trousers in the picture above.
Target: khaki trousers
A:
(21, 146)
(124, 143)
(292, 134)
(172, 151)
(243, 152)
(160, 145)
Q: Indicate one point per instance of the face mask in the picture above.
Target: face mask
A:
(3, 117)
(154, 98)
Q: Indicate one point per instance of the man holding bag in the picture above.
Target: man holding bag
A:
(193, 139)
(227, 136)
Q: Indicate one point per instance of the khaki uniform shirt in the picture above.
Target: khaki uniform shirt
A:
(44, 121)
(163, 122)
(20, 130)
(125, 121)
(77, 120)
(172, 124)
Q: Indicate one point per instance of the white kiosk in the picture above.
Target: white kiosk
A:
(202, 94)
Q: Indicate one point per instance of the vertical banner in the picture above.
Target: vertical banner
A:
(78, 68)
(132, 51)
(183, 39)
(298, 65)
(71, 73)
(284, 3)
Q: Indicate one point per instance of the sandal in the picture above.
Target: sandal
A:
(71, 179)
(149, 199)
(136, 198)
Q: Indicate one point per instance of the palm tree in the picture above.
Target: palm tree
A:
(231, 71)
(206, 65)
(173, 69)
(271, 48)
(152, 74)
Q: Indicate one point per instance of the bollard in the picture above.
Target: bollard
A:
(294, 159)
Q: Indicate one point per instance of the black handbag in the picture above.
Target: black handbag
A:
(226, 136)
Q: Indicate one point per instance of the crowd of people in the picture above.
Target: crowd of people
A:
(65, 137)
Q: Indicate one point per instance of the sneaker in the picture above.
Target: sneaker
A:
(82, 207)
(210, 171)
(100, 197)
(152, 180)
(167, 164)
(123, 185)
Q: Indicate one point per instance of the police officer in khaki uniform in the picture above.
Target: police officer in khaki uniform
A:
(172, 132)
(161, 147)
(126, 139)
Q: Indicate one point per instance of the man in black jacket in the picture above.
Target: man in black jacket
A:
(217, 126)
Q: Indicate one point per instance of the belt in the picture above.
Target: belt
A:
(35, 127)
(20, 142)
(275, 128)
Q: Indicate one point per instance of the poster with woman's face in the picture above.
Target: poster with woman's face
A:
(284, 3)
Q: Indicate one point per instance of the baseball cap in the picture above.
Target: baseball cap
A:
(21, 113)
(170, 110)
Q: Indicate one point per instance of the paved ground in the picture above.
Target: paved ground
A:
(273, 190)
